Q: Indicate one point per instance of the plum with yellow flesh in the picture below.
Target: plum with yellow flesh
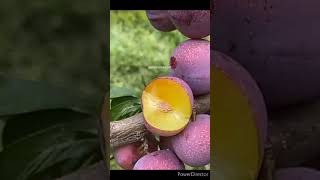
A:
(167, 104)
(240, 121)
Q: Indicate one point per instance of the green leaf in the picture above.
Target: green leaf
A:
(116, 92)
(123, 107)
(14, 158)
(59, 153)
(35, 152)
(22, 96)
(19, 126)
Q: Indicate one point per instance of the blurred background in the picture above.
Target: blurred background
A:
(138, 54)
(52, 81)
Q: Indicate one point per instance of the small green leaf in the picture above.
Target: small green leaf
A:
(123, 107)
(18, 126)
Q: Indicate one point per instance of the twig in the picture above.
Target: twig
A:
(132, 129)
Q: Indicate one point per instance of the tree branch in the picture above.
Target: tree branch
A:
(132, 129)
(294, 133)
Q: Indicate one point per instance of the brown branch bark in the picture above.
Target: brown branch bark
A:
(294, 133)
(132, 129)
(268, 164)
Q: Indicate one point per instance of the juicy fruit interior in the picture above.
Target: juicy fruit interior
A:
(166, 105)
(237, 153)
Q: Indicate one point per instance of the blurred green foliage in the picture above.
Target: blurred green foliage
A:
(57, 41)
(52, 82)
(139, 52)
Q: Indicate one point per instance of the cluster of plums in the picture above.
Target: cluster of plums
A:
(279, 50)
(190, 73)
(191, 147)
(190, 61)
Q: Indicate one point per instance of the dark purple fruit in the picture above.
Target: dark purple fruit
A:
(240, 120)
(159, 19)
(276, 41)
(192, 145)
(190, 61)
(159, 160)
(191, 23)
(127, 155)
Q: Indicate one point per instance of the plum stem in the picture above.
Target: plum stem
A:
(268, 165)
(145, 145)
(194, 113)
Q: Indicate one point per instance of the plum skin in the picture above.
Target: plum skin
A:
(278, 48)
(194, 24)
(244, 79)
(127, 155)
(192, 145)
(160, 20)
(159, 160)
(190, 61)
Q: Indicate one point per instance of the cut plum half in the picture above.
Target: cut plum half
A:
(167, 105)
(240, 122)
